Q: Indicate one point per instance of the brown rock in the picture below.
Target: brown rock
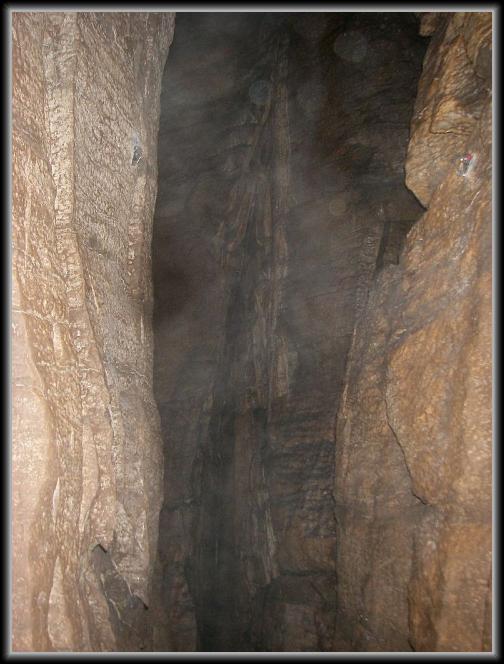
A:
(429, 22)
(452, 93)
(285, 289)
(419, 381)
(86, 467)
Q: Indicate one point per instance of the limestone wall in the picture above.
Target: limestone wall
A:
(414, 433)
(86, 452)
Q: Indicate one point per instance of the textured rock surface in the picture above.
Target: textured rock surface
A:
(413, 463)
(87, 461)
(281, 217)
(453, 92)
(282, 145)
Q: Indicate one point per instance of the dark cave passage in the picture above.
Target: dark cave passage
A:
(281, 197)
(251, 325)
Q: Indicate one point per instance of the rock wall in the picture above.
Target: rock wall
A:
(282, 148)
(414, 432)
(282, 306)
(86, 453)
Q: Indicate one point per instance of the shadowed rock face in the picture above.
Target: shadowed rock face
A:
(281, 194)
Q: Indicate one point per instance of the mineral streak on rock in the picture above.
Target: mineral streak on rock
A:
(86, 457)
(414, 429)
(281, 188)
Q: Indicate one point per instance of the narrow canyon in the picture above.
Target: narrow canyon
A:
(251, 332)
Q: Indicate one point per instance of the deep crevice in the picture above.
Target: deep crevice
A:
(274, 212)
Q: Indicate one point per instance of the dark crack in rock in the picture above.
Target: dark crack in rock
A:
(281, 152)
